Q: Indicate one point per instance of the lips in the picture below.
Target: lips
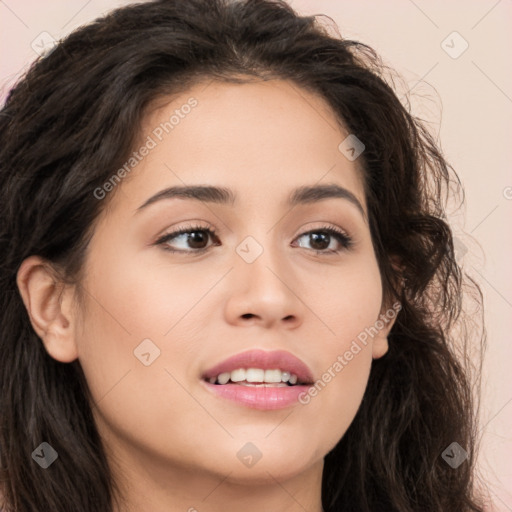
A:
(264, 360)
(224, 380)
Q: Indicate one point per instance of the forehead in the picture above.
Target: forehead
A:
(273, 112)
(262, 137)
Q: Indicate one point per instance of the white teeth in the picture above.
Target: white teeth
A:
(272, 375)
(254, 375)
(223, 378)
(265, 385)
(238, 375)
(249, 376)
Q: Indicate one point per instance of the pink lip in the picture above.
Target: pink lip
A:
(276, 359)
(263, 398)
(258, 398)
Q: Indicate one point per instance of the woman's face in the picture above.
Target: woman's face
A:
(156, 321)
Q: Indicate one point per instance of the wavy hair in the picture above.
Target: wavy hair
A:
(71, 121)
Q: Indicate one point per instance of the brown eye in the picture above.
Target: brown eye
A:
(325, 240)
(190, 239)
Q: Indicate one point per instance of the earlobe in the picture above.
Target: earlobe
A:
(48, 305)
(384, 324)
(380, 349)
(388, 315)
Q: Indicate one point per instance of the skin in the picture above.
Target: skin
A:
(173, 445)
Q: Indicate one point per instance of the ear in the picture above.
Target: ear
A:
(388, 313)
(383, 325)
(49, 306)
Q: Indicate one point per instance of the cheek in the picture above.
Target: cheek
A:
(346, 299)
(136, 402)
(132, 313)
(132, 300)
(349, 304)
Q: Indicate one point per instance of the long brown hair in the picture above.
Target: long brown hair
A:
(69, 124)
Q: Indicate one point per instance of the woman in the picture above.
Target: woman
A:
(227, 276)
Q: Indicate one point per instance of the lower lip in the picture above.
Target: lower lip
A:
(263, 398)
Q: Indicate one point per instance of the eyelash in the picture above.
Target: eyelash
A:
(343, 238)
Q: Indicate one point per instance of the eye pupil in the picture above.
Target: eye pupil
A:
(197, 237)
(316, 237)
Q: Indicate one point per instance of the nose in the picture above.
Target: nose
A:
(264, 292)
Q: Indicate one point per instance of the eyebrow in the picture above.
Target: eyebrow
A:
(222, 195)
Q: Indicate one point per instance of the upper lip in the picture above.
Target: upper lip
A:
(266, 360)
